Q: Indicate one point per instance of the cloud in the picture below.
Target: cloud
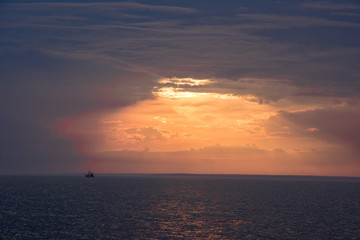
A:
(38, 90)
(327, 5)
(108, 6)
(287, 21)
(146, 134)
(339, 125)
(93, 70)
(219, 159)
(184, 113)
(198, 46)
(213, 159)
(28, 148)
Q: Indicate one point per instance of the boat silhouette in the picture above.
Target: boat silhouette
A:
(89, 174)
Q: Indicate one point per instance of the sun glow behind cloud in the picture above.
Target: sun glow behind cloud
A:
(180, 119)
(188, 122)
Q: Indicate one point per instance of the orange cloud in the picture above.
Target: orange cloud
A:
(219, 159)
(173, 131)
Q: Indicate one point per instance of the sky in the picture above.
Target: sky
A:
(213, 87)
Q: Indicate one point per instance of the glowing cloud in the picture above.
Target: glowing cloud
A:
(184, 125)
(185, 81)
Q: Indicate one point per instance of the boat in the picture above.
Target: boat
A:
(89, 174)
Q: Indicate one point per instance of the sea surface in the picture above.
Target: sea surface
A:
(179, 207)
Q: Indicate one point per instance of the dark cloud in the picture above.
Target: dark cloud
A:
(37, 90)
(107, 6)
(27, 148)
(340, 125)
(288, 21)
(297, 46)
(328, 5)
(59, 59)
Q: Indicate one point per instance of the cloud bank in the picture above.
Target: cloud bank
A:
(89, 79)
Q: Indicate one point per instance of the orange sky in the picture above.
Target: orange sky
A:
(190, 126)
(180, 86)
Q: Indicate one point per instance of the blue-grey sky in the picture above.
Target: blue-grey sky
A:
(65, 60)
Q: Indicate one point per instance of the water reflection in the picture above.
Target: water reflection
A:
(177, 207)
(183, 211)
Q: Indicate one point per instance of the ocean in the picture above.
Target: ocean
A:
(179, 207)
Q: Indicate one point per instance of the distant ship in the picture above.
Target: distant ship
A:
(89, 174)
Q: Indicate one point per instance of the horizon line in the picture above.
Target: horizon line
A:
(177, 174)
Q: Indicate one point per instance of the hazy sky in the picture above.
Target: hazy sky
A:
(240, 87)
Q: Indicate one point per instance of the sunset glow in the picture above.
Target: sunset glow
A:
(180, 86)
(203, 119)
(235, 133)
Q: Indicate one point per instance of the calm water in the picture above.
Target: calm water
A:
(179, 207)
